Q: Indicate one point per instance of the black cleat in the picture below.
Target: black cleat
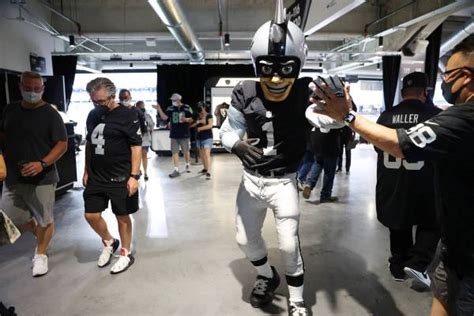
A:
(263, 290)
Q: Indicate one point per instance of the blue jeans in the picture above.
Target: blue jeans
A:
(306, 164)
(328, 164)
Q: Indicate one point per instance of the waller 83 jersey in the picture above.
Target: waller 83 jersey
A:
(111, 134)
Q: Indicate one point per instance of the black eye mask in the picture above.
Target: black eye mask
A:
(284, 67)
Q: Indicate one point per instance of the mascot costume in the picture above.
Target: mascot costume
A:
(274, 114)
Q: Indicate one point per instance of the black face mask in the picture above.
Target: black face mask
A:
(449, 96)
(143, 110)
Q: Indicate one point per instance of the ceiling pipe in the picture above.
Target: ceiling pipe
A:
(78, 25)
(171, 14)
(455, 39)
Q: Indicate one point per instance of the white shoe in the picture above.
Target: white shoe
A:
(421, 278)
(123, 263)
(106, 254)
(297, 309)
(40, 265)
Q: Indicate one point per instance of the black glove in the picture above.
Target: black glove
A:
(249, 154)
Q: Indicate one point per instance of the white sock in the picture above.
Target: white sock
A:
(176, 169)
(108, 243)
(296, 293)
(265, 270)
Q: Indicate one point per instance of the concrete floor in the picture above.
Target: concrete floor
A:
(187, 262)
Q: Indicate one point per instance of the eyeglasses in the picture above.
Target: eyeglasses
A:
(99, 102)
(447, 73)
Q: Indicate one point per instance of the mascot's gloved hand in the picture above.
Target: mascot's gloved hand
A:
(333, 82)
(249, 154)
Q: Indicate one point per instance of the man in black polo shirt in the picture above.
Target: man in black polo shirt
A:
(112, 170)
(405, 191)
(446, 140)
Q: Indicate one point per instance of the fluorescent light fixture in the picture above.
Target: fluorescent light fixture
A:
(88, 69)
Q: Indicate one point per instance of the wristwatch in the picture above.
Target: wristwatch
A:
(44, 165)
(135, 176)
(349, 117)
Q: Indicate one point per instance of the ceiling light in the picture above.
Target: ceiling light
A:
(226, 39)
(72, 41)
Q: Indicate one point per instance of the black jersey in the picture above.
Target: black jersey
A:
(405, 190)
(447, 139)
(279, 127)
(111, 133)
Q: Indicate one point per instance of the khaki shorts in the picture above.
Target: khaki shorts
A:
(24, 202)
(179, 142)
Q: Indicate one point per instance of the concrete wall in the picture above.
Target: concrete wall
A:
(18, 39)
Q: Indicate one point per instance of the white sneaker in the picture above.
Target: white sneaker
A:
(297, 309)
(123, 263)
(40, 265)
(188, 169)
(422, 278)
(106, 254)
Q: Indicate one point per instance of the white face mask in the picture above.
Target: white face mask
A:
(174, 102)
(31, 97)
(126, 103)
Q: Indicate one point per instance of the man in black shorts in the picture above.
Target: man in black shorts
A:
(113, 153)
(446, 140)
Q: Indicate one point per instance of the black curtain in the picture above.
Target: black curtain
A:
(66, 66)
(188, 80)
(391, 70)
(432, 58)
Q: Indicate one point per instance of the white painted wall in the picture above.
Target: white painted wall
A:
(18, 39)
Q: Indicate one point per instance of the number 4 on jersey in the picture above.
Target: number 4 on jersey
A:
(97, 139)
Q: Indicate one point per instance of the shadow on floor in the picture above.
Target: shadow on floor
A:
(327, 271)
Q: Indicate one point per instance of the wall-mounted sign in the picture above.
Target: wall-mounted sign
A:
(324, 12)
(37, 63)
(298, 12)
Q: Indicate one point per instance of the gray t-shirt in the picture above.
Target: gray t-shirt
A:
(30, 134)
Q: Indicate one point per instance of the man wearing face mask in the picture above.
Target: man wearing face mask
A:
(112, 171)
(272, 113)
(405, 191)
(146, 136)
(34, 138)
(446, 140)
(125, 99)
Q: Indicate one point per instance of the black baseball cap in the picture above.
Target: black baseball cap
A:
(415, 80)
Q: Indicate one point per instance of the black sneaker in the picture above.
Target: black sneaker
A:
(146, 178)
(263, 290)
(203, 171)
(397, 272)
(329, 199)
(208, 176)
(297, 309)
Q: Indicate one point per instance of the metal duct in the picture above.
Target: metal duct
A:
(455, 39)
(171, 14)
